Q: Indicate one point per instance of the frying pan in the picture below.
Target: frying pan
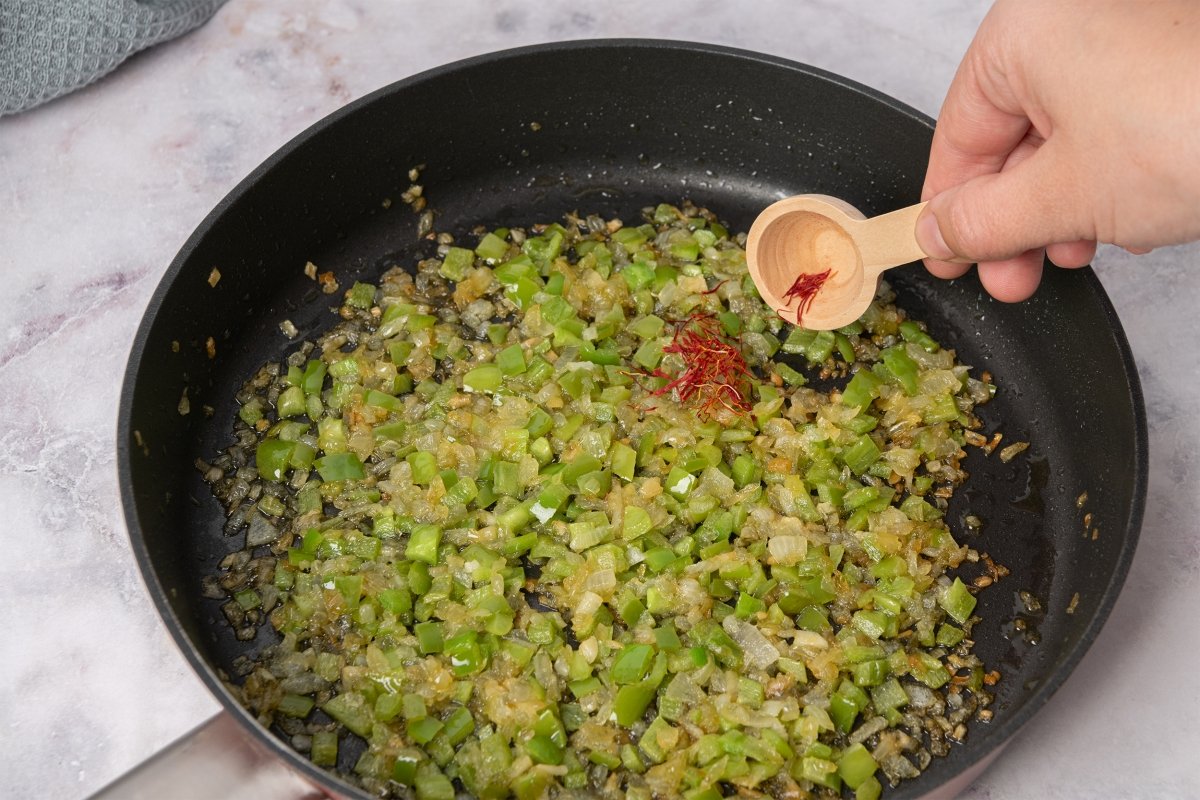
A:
(611, 126)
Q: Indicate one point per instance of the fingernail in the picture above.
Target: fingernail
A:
(929, 237)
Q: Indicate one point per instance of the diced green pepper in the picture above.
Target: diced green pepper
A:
(295, 705)
(511, 360)
(862, 389)
(910, 331)
(623, 459)
(423, 730)
(350, 709)
(861, 454)
(272, 457)
(487, 378)
(424, 467)
(632, 663)
(456, 263)
(856, 765)
(340, 467)
(423, 544)
(636, 523)
(464, 653)
(544, 751)
(430, 783)
(360, 295)
(957, 601)
(291, 402)
(901, 366)
(491, 248)
(429, 637)
(324, 748)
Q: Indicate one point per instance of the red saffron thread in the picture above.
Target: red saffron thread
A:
(805, 288)
(714, 370)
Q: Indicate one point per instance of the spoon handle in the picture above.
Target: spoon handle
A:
(889, 240)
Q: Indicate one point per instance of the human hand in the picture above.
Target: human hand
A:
(1068, 122)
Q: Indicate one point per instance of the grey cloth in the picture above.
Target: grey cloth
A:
(51, 47)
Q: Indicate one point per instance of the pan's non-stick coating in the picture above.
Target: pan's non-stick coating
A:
(610, 127)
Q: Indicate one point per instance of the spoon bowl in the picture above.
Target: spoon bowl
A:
(817, 260)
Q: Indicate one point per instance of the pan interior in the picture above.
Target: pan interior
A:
(611, 127)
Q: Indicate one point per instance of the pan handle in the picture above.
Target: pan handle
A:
(216, 759)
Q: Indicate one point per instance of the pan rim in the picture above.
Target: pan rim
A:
(997, 735)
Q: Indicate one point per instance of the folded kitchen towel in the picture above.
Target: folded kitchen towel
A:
(51, 47)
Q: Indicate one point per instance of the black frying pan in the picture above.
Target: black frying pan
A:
(622, 125)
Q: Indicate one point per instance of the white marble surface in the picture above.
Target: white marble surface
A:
(98, 191)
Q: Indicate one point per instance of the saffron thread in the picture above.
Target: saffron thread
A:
(714, 374)
(805, 288)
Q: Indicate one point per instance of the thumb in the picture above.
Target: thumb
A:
(1003, 214)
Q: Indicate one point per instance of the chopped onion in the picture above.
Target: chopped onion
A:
(787, 549)
(868, 729)
(589, 604)
(261, 531)
(757, 649)
(809, 639)
(601, 581)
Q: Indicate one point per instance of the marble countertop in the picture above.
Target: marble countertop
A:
(98, 191)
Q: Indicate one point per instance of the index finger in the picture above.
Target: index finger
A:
(980, 124)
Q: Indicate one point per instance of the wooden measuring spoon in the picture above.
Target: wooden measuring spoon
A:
(811, 234)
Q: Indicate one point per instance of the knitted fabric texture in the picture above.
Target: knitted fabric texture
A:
(51, 47)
